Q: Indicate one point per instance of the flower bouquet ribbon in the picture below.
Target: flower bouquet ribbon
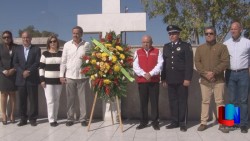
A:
(104, 49)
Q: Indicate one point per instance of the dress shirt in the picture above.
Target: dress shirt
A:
(239, 51)
(72, 59)
(155, 71)
(26, 51)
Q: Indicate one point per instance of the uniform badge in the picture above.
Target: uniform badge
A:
(178, 49)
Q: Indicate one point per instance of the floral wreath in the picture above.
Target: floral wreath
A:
(109, 65)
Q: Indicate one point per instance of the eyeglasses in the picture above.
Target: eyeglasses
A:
(6, 37)
(209, 33)
(53, 41)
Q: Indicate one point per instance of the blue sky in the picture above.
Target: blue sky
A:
(60, 16)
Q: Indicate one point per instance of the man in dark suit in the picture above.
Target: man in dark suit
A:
(26, 62)
(177, 73)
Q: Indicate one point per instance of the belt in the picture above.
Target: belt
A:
(239, 70)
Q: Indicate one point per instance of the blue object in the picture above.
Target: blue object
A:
(229, 112)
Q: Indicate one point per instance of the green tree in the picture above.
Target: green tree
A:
(247, 33)
(193, 15)
(36, 33)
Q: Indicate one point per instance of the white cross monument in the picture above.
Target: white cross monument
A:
(111, 19)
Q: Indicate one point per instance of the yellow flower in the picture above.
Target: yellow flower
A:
(92, 77)
(102, 66)
(98, 55)
(93, 53)
(93, 61)
(108, 45)
(107, 66)
(116, 68)
(122, 56)
(111, 48)
(100, 73)
(114, 58)
(104, 58)
(104, 54)
(119, 48)
(101, 63)
(106, 81)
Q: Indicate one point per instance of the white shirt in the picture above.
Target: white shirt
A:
(26, 51)
(71, 59)
(239, 51)
(155, 71)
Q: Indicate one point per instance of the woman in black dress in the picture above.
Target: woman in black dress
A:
(7, 76)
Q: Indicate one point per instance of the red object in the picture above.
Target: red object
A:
(85, 70)
(221, 118)
(85, 58)
(107, 90)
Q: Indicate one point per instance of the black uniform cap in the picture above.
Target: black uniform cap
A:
(173, 28)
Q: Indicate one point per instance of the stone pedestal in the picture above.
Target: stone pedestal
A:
(107, 108)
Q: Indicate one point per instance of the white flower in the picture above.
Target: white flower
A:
(123, 78)
(96, 75)
(121, 61)
(101, 50)
(98, 63)
(110, 58)
(104, 75)
(87, 61)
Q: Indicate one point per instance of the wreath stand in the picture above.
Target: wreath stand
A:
(118, 111)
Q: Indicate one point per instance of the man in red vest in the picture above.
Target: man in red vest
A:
(147, 66)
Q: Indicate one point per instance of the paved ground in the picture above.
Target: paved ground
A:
(105, 131)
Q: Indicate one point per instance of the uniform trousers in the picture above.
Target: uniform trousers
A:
(149, 91)
(31, 93)
(52, 94)
(178, 96)
(206, 92)
(76, 88)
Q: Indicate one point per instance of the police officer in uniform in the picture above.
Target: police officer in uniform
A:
(176, 74)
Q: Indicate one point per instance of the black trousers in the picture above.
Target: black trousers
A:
(178, 96)
(149, 91)
(31, 93)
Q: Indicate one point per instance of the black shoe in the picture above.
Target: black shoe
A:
(172, 125)
(13, 121)
(156, 126)
(33, 123)
(223, 129)
(84, 123)
(141, 126)
(202, 127)
(183, 128)
(244, 129)
(69, 123)
(4, 122)
(22, 123)
(53, 124)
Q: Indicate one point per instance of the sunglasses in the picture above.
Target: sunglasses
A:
(53, 41)
(6, 37)
(209, 33)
